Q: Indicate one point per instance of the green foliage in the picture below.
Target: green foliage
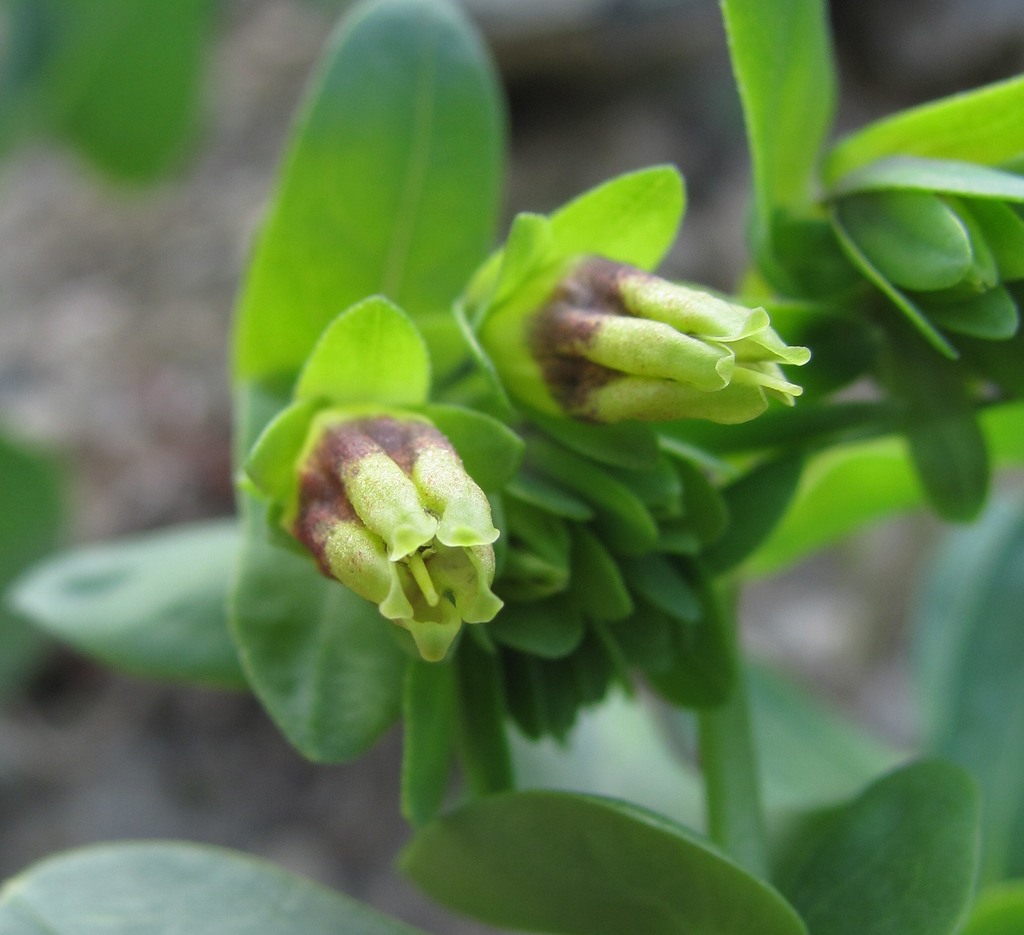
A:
(562, 863)
(124, 602)
(899, 859)
(32, 508)
(620, 546)
(969, 624)
(390, 185)
(116, 79)
(164, 888)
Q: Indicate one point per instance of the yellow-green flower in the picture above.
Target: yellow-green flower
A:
(386, 507)
(611, 342)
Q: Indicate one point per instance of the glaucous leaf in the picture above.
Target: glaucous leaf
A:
(898, 860)
(391, 184)
(969, 635)
(165, 888)
(152, 604)
(579, 865)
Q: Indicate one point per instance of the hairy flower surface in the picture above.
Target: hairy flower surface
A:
(612, 342)
(386, 507)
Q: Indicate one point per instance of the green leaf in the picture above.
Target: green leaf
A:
(998, 911)
(981, 126)
(622, 518)
(755, 502)
(991, 315)
(121, 81)
(538, 491)
(166, 888)
(616, 749)
(851, 485)
(391, 184)
(323, 661)
(490, 450)
(969, 626)
(914, 239)
(370, 354)
(899, 860)
(483, 743)
(629, 445)
(151, 604)
(1003, 230)
(599, 588)
(550, 628)
(909, 173)
(32, 507)
(272, 465)
(562, 863)
(632, 218)
(428, 738)
(663, 585)
(699, 668)
(875, 276)
(786, 79)
(938, 419)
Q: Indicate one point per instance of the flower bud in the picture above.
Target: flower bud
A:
(386, 507)
(613, 342)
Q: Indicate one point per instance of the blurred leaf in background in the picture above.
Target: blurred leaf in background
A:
(30, 519)
(118, 80)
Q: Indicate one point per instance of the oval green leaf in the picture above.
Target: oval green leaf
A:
(322, 660)
(561, 863)
(992, 315)
(633, 218)
(899, 860)
(165, 888)
(370, 354)
(914, 239)
(391, 185)
(152, 604)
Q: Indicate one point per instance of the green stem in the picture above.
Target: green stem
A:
(732, 789)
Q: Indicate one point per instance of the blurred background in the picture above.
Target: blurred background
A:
(119, 262)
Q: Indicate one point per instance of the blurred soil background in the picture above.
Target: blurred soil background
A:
(115, 306)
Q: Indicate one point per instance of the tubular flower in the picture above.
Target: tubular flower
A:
(386, 507)
(612, 342)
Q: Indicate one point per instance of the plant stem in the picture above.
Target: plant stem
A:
(729, 764)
